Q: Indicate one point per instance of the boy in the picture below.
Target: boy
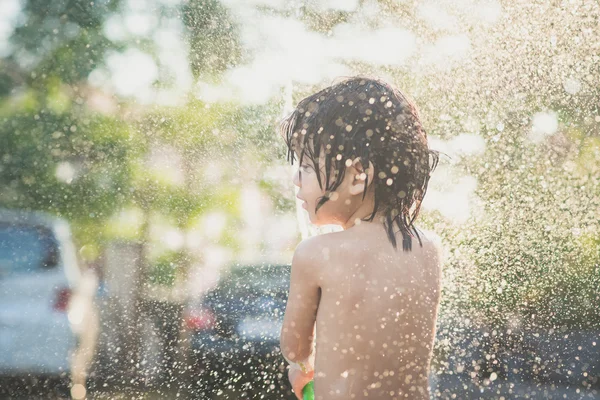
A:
(364, 165)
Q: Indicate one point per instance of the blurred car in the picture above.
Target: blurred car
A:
(44, 309)
(235, 332)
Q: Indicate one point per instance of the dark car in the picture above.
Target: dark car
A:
(235, 335)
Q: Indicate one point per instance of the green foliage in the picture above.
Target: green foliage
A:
(73, 164)
(163, 270)
(213, 37)
(528, 259)
(62, 39)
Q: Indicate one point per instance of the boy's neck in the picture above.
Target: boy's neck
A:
(364, 211)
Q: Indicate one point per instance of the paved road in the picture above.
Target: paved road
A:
(509, 391)
(443, 392)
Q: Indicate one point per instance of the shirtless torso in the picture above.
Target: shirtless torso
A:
(375, 321)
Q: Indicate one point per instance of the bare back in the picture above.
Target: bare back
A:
(376, 317)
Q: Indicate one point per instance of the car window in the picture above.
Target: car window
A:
(241, 283)
(26, 249)
(262, 279)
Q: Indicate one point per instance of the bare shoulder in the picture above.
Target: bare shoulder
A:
(431, 241)
(432, 251)
(313, 248)
(317, 254)
(312, 253)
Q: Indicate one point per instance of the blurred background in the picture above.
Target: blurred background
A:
(148, 217)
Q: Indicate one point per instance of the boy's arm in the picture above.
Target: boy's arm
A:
(297, 333)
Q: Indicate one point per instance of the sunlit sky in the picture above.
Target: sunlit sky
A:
(283, 49)
(286, 50)
(9, 16)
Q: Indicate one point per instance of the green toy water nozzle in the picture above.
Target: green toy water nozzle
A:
(308, 392)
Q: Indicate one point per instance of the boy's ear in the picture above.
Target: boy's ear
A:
(358, 176)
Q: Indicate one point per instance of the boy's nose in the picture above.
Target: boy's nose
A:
(296, 178)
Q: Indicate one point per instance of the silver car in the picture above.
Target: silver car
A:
(46, 303)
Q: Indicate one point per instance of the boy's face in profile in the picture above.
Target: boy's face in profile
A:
(342, 202)
(305, 177)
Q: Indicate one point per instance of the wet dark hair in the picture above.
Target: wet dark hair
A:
(371, 120)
